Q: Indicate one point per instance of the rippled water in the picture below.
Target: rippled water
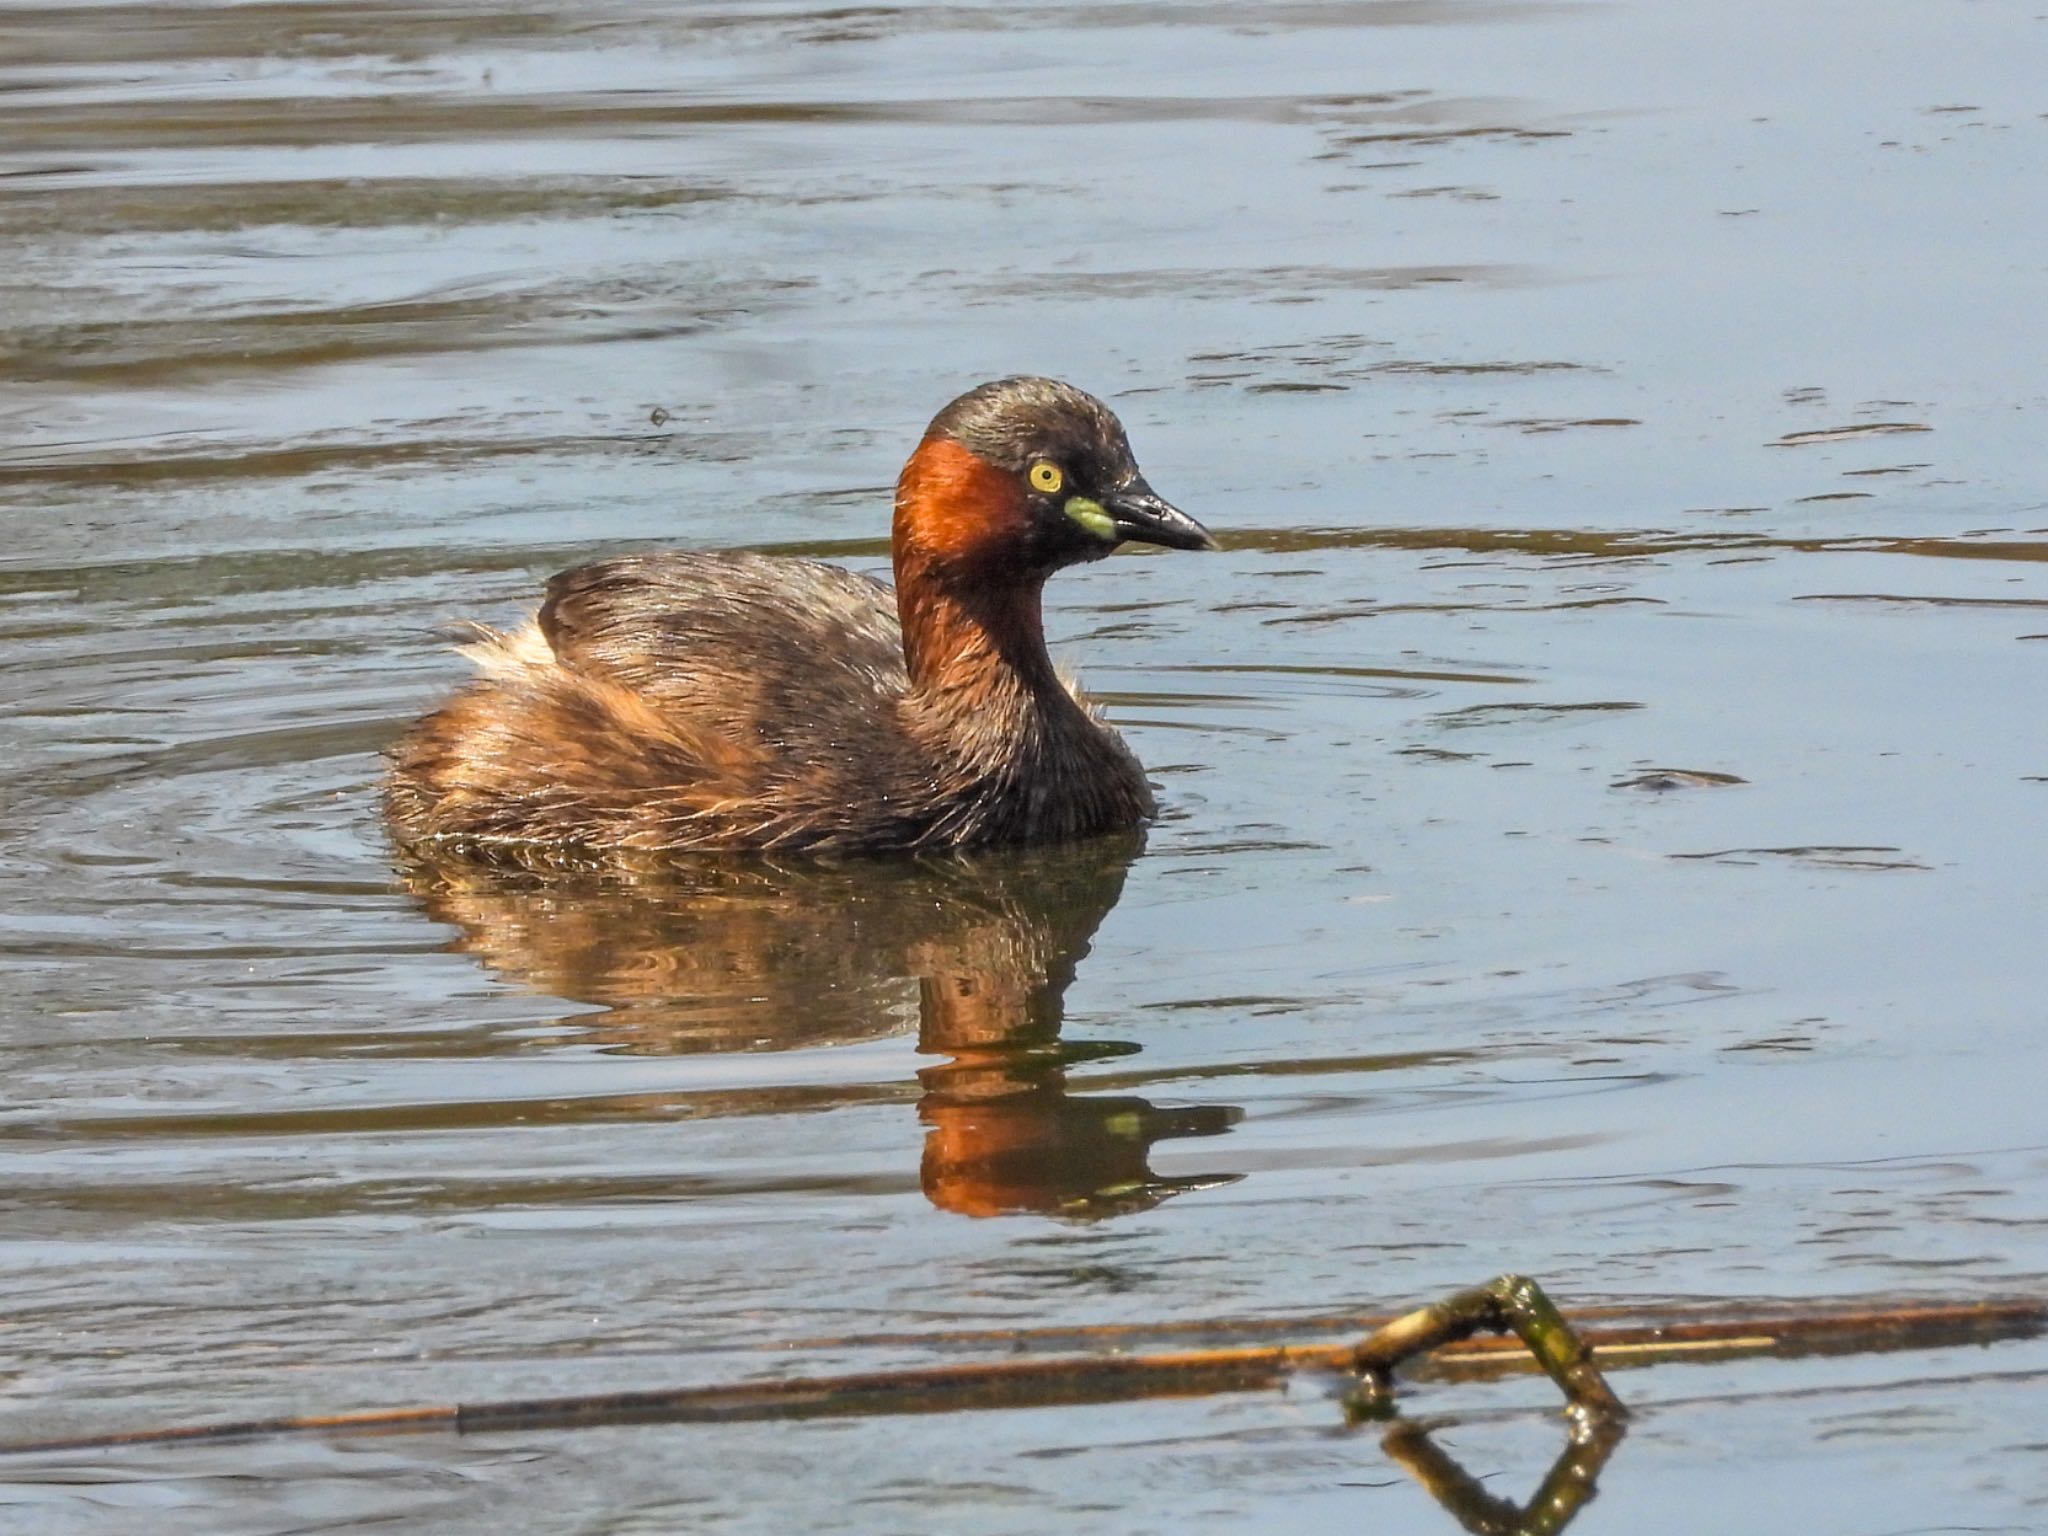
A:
(1604, 775)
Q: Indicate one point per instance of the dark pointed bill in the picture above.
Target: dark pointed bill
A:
(1140, 514)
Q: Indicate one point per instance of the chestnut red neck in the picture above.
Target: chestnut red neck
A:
(969, 607)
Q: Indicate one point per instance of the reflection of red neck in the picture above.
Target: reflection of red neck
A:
(970, 616)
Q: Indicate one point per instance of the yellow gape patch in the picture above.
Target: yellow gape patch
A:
(1089, 515)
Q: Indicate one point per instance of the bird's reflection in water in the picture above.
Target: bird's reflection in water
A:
(975, 952)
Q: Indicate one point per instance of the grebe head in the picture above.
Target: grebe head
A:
(1021, 476)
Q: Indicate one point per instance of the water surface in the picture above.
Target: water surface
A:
(1603, 780)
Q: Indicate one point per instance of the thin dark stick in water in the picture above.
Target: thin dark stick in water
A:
(1100, 1378)
(1509, 1303)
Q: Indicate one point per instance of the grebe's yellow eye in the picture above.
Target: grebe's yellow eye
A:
(1046, 477)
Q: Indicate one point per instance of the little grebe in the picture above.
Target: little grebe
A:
(678, 701)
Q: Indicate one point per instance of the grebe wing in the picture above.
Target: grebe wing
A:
(680, 626)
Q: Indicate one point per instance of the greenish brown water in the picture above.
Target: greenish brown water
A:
(1604, 774)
